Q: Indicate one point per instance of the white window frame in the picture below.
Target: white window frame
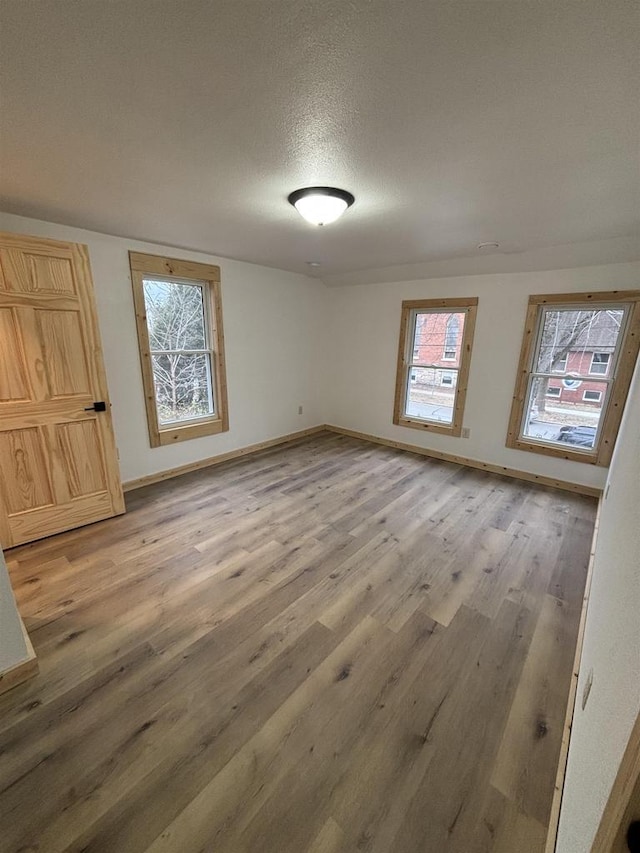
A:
(553, 388)
(591, 391)
(208, 351)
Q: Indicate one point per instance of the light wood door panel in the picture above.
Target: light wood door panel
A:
(64, 352)
(13, 379)
(24, 470)
(58, 458)
(42, 267)
(84, 471)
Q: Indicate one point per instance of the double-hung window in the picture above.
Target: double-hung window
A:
(560, 366)
(451, 338)
(593, 340)
(600, 363)
(179, 317)
(434, 357)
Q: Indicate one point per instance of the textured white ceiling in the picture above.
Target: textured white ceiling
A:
(188, 122)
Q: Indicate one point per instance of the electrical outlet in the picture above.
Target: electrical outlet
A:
(466, 432)
(299, 410)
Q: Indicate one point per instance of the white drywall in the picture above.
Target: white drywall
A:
(612, 250)
(274, 326)
(291, 341)
(611, 646)
(364, 328)
(13, 648)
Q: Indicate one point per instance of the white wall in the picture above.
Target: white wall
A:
(290, 341)
(274, 325)
(13, 648)
(364, 328)
(611, 646)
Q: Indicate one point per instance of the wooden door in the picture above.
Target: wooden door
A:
(58, 459)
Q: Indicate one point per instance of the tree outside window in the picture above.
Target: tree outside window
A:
(181, 358)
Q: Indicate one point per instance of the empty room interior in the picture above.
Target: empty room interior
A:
(319, 426)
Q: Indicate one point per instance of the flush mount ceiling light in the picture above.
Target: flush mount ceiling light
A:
(321, 205)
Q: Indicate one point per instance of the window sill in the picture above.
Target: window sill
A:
(184, 433)
(430, 426)
(593, 457)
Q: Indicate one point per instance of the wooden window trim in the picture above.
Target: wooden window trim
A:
(142, 266)
(619, 385)
(470, 306)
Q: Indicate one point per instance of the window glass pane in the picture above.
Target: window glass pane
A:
(559, 365)
(569, 415)
(578, 342)
(175, 315)
(183, 386)
(438, 338)
(600, 363)
(431, 394)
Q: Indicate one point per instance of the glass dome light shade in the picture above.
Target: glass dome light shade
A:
(321, 205)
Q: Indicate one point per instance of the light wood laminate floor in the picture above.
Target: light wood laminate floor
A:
(328, 647)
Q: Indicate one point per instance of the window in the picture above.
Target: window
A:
(554, 391)
(600, 330)
(560, 364)
(179, 319)
(451, 338)
(600, 363)
(433, 331)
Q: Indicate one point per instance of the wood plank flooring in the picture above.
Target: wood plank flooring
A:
(328, 647)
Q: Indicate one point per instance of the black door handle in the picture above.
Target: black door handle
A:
(633, 837)
(101, 406)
